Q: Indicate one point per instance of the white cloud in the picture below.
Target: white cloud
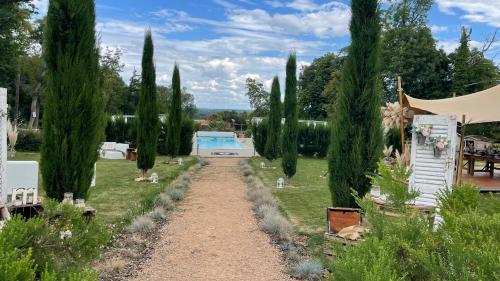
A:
(41, 6)
(483, 11)
(438, 28)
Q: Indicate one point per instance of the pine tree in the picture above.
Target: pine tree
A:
(147, 110)
(460, 74)
(290, 130)
(175, 116)
(274, 125)
(73, 118)
(356, 141)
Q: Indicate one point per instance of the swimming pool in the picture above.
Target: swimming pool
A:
(215, 142)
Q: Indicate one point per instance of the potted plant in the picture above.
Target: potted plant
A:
(440, 144)
(423, 132)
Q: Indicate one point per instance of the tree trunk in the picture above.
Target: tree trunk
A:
(18, 84)
(35, 109)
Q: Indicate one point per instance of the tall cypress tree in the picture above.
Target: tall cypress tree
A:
(274, 125)
(290, 130)
(175, 116)
(147, 110)
(356, 141)
(461, 67)
(73, 118)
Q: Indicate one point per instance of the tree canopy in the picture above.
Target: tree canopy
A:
(258, 96)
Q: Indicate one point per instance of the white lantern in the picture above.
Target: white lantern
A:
(68, 198)
(180, 161)
(262, 165)
(154, 178)
(280, 183)
(80, 203)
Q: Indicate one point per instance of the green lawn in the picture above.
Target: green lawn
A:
(116, 196)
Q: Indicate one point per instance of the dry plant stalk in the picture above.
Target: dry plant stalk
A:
(403, 159)
(391, 115)
(11, 135)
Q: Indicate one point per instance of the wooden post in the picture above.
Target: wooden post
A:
(462, 148)
(401, 115)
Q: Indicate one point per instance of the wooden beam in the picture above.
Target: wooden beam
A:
(401, 115)
(462, 148)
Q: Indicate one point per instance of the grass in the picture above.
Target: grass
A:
(116, 196)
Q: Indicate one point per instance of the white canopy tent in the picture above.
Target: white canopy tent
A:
(480, 107)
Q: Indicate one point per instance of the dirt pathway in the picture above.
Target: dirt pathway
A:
(214, 236)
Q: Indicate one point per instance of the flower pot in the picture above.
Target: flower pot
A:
(421, 139)
(437, 152)
(340, 218)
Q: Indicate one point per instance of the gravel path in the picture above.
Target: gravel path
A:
(214, 236)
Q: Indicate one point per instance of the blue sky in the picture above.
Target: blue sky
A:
(219, 43)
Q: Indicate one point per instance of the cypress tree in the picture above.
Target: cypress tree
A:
(290, 130)
(73, 118)
(175, 116)
(147, 110)
(274, 125)
(356, 141)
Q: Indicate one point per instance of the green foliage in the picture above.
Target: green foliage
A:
(117, 130)
(393, 181)
(357, 139)
(259, 136)
(187, 132)
(290, 129)
(272, 148)
(39, 248)
(313, 81)
(14, 266)
(29, 140)
(131, 97)
(113, 87)
(147, 111)
(187, 100)
(313, 140)
(73, 118)
(393, 137)
(464, 247)
(175, 116)
(259, 98)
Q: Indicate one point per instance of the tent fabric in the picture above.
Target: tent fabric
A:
(480, 107)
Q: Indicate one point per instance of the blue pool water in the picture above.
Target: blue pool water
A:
(218, 142)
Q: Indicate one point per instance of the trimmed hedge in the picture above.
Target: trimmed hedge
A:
(312, 140)
(187, 132)
(29, 140)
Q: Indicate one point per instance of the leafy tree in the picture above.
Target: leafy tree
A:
(32, 74)
(356, 141)
(331, 91)
(274, 125)
(409, 50)
(147, 110)
(175, 116)
(290, 129)
(113, 87)
(73, 119)
(131, 98)
(313, 80)
(259, 98)
(187, 100)
(471, 71)
(15, 37)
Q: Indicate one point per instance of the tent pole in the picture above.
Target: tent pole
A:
(462, 148)
(401, 115)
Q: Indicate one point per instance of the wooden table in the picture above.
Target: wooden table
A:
(488, 159)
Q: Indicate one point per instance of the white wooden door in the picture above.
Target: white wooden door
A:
(429, 173)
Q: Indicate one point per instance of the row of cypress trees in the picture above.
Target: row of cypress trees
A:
(74, 117)
(274, 141)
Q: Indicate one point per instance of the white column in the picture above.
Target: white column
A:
(3, 143)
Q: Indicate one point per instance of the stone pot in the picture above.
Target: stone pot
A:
(339, 218)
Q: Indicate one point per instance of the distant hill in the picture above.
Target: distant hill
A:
(204, 112)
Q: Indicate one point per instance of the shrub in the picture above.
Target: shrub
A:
(42, 235)
(277, 226)
(176, 194)
(16, 267)
(307, 270)
(393, 137)
(142, 224)
(158, 214)
(313, 140)
(29, 140)
(164, 201)
(187, 132)
(265, 210)
(246, 170)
